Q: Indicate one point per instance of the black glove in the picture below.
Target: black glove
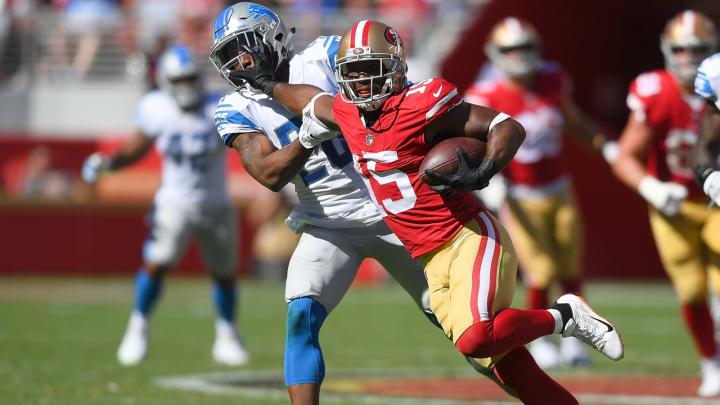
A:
(261, 76)
(466, 178)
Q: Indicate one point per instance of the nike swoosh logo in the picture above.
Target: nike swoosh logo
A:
(609, 327)
(437, 93)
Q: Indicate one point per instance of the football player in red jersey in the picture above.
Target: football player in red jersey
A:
(468, 257)
(653, 159)
(542, 214)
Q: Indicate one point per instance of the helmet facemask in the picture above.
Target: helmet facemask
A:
(368, 80)
(516, 60)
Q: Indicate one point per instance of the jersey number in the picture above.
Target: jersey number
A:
(400, 178)
(336, 150)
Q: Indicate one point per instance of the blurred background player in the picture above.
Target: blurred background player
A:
(191, 202)
(340, 224)
(655, 148)
(542, 213)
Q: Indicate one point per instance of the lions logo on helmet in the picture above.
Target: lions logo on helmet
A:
(513, 46)
(252, 26)
(370, 64)
(178, 74)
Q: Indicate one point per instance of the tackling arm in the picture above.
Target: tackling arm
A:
(273, 168)
(705, 154)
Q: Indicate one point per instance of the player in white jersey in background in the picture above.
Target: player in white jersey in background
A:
(192, 201)
(339, 222)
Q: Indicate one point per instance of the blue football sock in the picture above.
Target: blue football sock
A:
(147, 291)
(304, 363)
(225, 298)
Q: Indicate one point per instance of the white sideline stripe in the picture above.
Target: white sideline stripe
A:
(203, 383)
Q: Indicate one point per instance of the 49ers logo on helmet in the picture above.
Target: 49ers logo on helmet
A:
(392, 36)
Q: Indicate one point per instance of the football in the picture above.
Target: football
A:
(444, 159)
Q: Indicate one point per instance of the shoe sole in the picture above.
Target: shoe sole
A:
(597, 316)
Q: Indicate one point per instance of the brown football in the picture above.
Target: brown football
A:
(444, 159)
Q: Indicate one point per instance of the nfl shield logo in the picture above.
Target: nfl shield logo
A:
(369, 139)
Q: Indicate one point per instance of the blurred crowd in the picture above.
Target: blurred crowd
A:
(75, 40)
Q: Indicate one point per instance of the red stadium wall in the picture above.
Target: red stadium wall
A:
(604, 44)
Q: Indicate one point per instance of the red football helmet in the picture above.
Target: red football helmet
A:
(688, 38)
(514, 47)
(370, 64)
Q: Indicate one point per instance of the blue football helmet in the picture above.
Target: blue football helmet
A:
(248, 25)
(178, 74)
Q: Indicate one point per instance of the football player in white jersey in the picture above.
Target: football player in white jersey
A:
(340, 224)
(706, 154)
(191, 202)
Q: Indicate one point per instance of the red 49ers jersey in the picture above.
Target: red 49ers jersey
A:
(675, 118)
(540, 157)
(388, 156)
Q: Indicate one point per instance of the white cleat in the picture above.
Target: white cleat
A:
(591, 328)
(710, 373)
(228, 348)
(545, 352)
(134, 345)
(574, 352)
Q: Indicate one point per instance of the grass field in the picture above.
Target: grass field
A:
(58, 338)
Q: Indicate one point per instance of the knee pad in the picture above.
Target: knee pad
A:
(304, 362)
(476, 341)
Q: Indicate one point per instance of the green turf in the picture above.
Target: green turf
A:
(58, 338)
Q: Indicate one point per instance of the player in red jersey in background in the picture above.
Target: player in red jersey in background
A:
(468, 257)
(542, 214)
(654, 150)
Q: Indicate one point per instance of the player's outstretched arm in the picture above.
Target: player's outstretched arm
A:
(260, 75)
(273, 168)
(502, 134)
(581, 128)
(131, 152)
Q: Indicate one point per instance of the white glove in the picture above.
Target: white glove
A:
(93, 166)
(493, 196)
(610, 151)
(665, 196)
(711, 187)
(313, 131)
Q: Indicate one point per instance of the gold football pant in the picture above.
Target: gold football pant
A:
(689, 247)
(472, 277)
(548, 237)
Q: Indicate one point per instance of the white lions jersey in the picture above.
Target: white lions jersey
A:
(194, 168)
(330, 193)
(707, 81)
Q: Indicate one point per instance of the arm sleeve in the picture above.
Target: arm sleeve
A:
(315, 64)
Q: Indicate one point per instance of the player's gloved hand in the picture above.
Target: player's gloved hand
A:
(493, 196)
(313, 131)
(665, 196)
(93, 166)
(709, 179)
(260, 76)
(466, 177)
(610, 151)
